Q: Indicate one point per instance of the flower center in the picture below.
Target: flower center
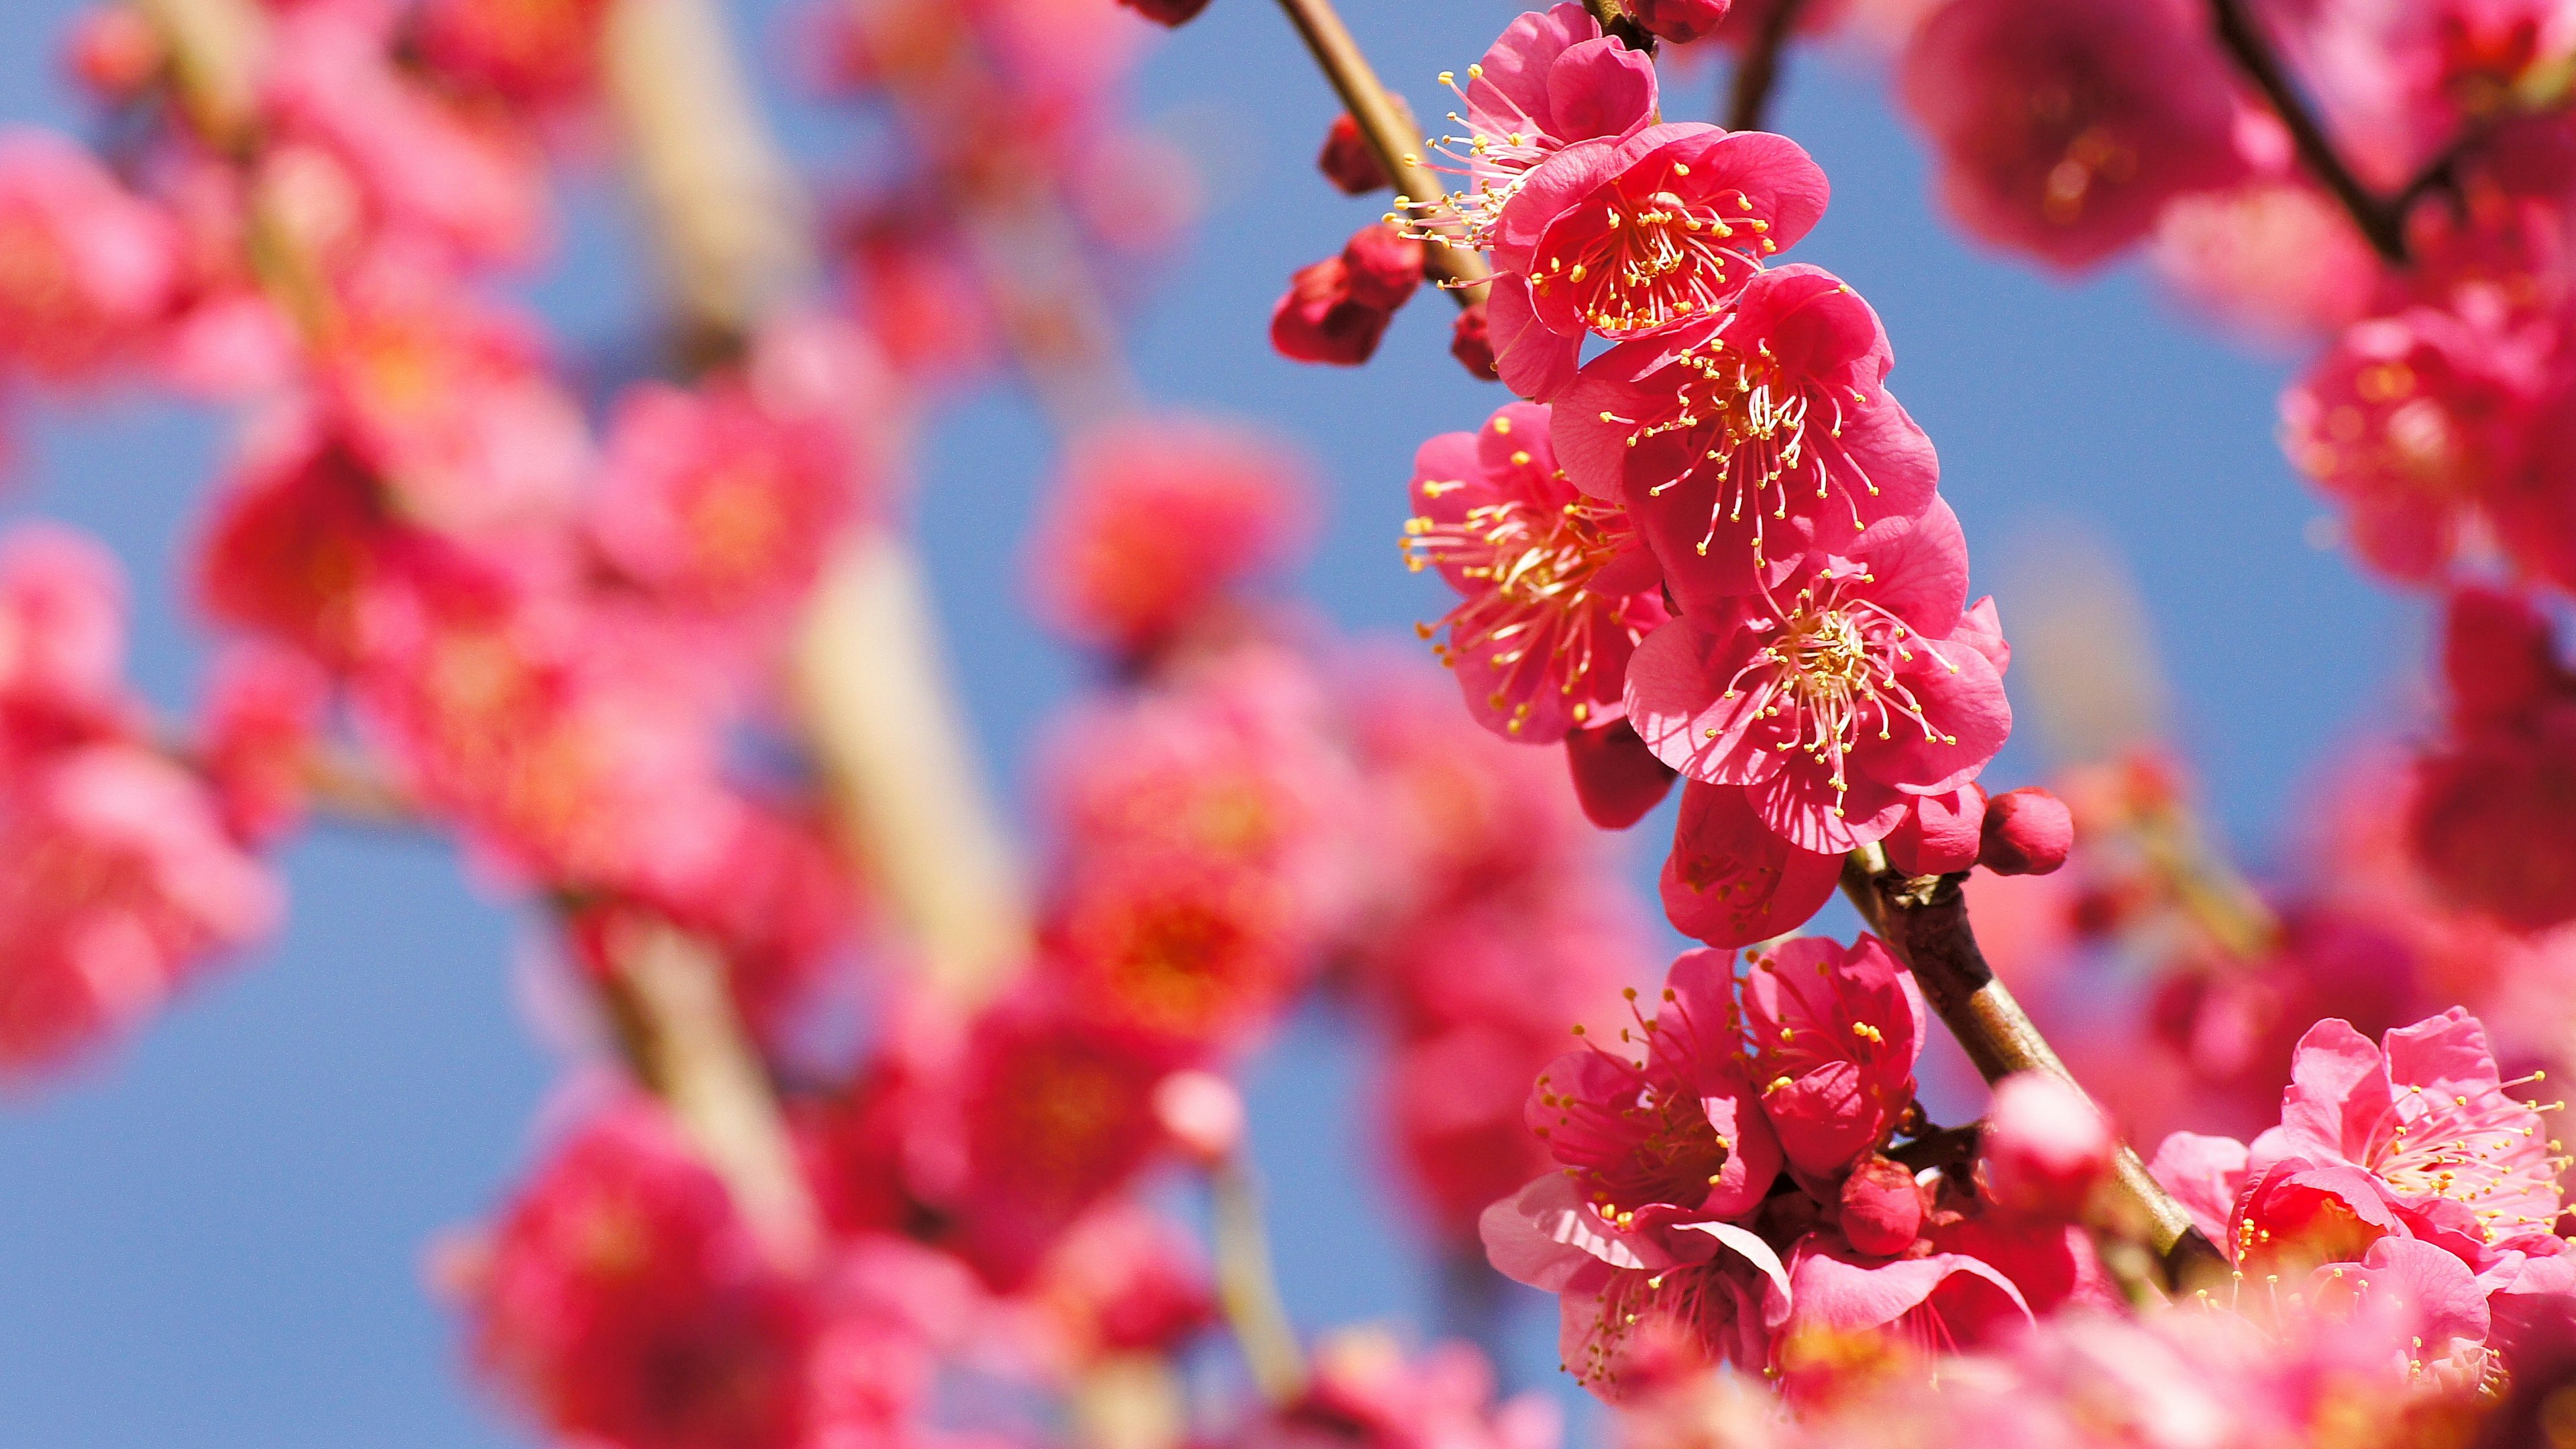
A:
(1656, 258)
(1535, 564)
(2484, 1151)
(1827, 672)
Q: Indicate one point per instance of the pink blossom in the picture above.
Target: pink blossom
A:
(1549, 80)
(1157, 521)
(1835, 1031)
(1743, 439)
(1678, 21)
(624, 1299)
(1366, 1392)
(85, 268)
(2026, 832)
(531, 54)
(1559, 589)
(62, 642)
(1196, 954)
(713, 504)
(1937, 1303)
(1633, 235)
(261, 735)
(2064, 129)
(1125, 1280)
(2273, 259)
(1732, 880)
(117, 881)
(1836, 694)
(1615, 776)
(2426, 1113)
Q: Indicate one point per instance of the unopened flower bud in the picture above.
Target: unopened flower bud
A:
(1472, 343)
(1385, 266)
(2046, 1146)
(1348, 162)
(1882, 1208)
(1202, 1112)
(2027, 832)
(1678, 21)
(1167, 12)
(1940, 833)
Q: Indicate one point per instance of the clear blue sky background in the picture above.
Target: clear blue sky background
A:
(212, 1237)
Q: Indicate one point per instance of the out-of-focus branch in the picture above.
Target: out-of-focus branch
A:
(1248, 1289)
(676, 1023)
(1391, 140)
(1925, 922)
(214, 48)
(1758, 74)
(878, 708)
(2381, 223)
(1130, 1401)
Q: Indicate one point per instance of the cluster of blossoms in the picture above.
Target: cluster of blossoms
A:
(570, 623)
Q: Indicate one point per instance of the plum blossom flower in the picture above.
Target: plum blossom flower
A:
(2064, 129)
(1616, 777)
(1631, 236)
(1835, 1032)
(1549, 80)
(1834, 696)
(85, 267)
(1559, 589)
(1748, 436)
(533, 55)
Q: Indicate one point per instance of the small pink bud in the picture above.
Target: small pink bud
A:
(1385, 266)
(1679, 21)
(1167, 12)
(1472, 343)
(2027, 832)
(1348, 162)
(1616, 778)
(2046, 1146)
(1202, 1112)
(1882, 1208)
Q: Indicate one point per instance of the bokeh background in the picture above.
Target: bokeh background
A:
(215, 1235)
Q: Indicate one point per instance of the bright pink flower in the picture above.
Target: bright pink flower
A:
(1615, 776)
(1630, 236)
(262, 728)
(1837, 694)
(1732, 880)
(1549, 80)
(1559, 589)
(62, 642)
(1156, 521)
(2046, 1146)
(2274, 259)
(449, 404)
(1938, 1303)
(2064, 129)
(1835, 1031)
(85, 268)
(1744, 439)
(1195, 954)
(1880, 1207)
(1125, 1280)
(2428, 1114)
(533, 54)
(1367, 1393)
(2026, 832)
(625, 1300)
(713, 504)
(1336, 310)
(429, 170)
(1673, 1139)
(117, 880)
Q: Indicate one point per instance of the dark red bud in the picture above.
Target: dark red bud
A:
(1167, 12)
(2497, 655)
(1615, 776)
(1348, 162)
(1882, 1209)
(1472, 343)
(1385, 266)
(2028, 832)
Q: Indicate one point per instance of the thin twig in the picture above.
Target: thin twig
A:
(1247, 1288)
(2381, 223)
(1925, 923)
(1391, 140)
(1617, 22)
(1758, 74)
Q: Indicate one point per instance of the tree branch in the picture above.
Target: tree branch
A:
(2381, 223)
(1391, 140)
(1615, 21)
(1758, 74)
(1925, 922)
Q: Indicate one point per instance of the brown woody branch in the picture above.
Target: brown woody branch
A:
(1390, 139)
(1758, 74)
(2381, 221)
(1924, 921)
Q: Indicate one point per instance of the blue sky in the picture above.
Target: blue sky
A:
(213, 1236)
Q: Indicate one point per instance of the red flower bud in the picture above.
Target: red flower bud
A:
(1347, 161)
(2046, 1146)
(1882, 1209)
(1678, 21)
(1167, 12)
(2027, 832)
(1940, 833)
(1472, 343)
(1615, 776)
(1336, 310)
